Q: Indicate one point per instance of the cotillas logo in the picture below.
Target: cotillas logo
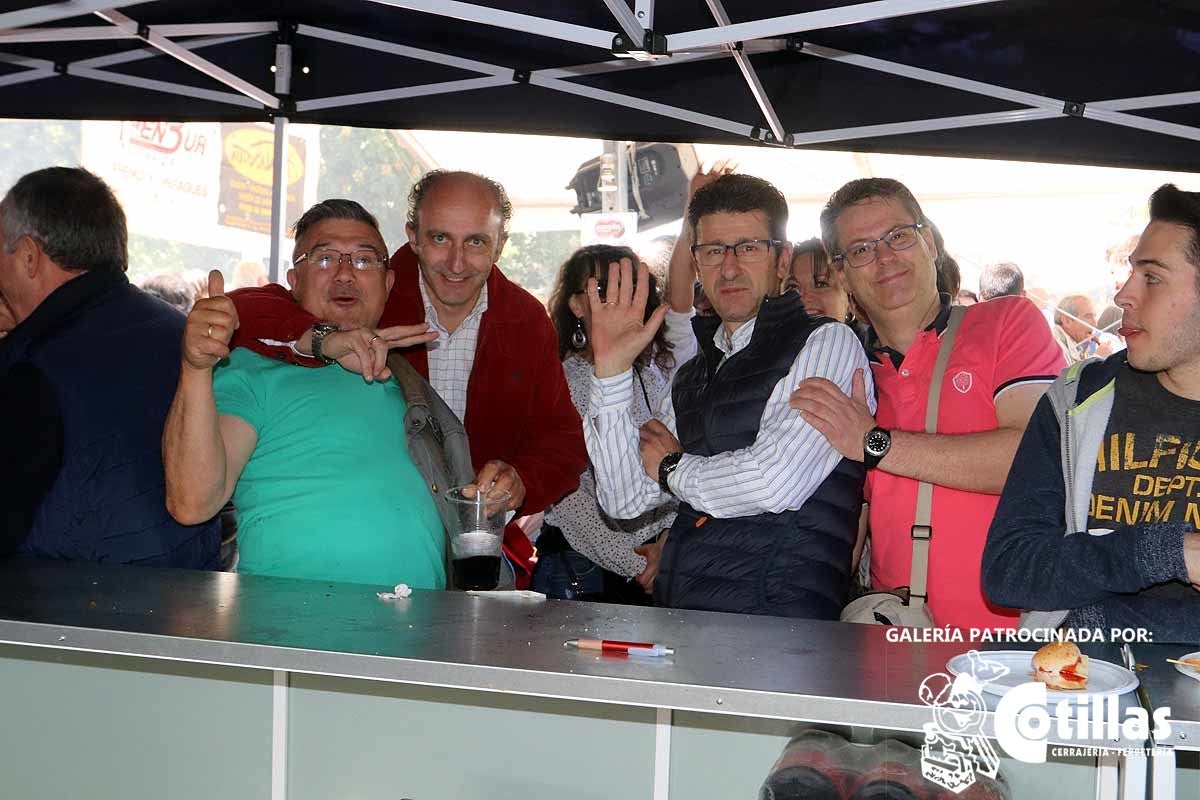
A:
(609, 228)
(956, 750)
(963, 381)
(251, 151)
(1023, 722)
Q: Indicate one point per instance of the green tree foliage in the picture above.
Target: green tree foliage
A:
(372, 167)
(26, 146)
(533, 259)
(149, 255)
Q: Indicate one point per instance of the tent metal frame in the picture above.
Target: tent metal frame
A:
(728, 40)
(633, 29)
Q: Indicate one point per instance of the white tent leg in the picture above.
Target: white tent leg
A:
(279, 170)
(278, 197)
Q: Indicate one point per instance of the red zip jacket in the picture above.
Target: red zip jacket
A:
(519, 409)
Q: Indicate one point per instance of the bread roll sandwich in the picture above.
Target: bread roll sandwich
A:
(1060, 665)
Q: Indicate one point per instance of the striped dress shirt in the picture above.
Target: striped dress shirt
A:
(452, 355)
(782, 468)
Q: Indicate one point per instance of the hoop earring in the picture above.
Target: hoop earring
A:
(579, 337)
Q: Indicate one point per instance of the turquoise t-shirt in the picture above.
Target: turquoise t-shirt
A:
(330, 492)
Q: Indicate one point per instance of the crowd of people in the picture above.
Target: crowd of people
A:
(762, 427)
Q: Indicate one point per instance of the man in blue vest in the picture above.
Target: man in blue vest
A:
(768, 510)
(86, 377)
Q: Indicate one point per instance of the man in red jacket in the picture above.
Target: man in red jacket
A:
(492, 354)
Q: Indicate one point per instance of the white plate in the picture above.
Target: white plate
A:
(1191, 672)
(1104, 679)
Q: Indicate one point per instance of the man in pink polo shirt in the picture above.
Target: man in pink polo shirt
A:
(1002, 361)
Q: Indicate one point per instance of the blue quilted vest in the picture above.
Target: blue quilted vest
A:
(793, 564)
(112, 354)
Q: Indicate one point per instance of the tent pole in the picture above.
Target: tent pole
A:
(622, 153)
(279, 170)
(278, 197)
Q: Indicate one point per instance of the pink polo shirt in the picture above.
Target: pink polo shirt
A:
(1000, 344)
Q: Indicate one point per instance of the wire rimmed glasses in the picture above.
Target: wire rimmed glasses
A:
(860, 254)
(361, 260)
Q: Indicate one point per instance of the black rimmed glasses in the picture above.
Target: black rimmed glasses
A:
(751, 251)
(860, 254)
(361, 260)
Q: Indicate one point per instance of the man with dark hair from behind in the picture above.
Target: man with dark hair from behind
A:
(768, 510)
(491, 353)
(80, 461)
(1077, 538)
(1003, 279)
(325, 487)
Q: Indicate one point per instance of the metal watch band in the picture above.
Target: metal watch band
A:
(319, 331)
(665, 467)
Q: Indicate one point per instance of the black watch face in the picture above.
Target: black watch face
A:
(877, 442)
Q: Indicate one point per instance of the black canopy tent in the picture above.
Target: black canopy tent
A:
(1072, 81)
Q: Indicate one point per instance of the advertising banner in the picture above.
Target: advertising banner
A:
(247, 164)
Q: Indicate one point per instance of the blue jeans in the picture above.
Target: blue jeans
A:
(567, 575)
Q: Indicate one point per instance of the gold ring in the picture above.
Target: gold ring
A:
(373, 338)
(209, 334)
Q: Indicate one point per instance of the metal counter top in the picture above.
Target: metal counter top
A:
(774, 667)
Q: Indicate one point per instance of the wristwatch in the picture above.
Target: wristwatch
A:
(665, 467)
(319, 331)
(876, 444)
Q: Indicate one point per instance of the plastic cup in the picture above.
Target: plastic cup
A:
(477, 541)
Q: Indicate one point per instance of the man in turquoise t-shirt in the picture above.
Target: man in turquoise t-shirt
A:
(315, 460)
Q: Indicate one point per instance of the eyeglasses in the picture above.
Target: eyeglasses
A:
(860, 254)
(361, 260)
(749, 252)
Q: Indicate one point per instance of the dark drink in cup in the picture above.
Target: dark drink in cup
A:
(476, 572)
(475, 560)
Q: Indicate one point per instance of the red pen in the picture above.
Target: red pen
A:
(626, 648)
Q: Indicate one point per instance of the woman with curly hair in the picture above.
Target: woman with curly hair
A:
(582, 552)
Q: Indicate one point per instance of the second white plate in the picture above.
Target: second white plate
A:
(1104, 678)
(1191, 672)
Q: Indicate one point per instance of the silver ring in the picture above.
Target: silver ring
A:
(373, 338)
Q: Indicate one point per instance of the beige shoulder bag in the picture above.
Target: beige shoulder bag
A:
(906, 605)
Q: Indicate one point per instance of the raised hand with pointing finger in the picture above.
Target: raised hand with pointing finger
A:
(365, 350)
(210, 326)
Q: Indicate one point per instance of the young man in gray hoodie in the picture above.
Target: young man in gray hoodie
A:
(1097, 525)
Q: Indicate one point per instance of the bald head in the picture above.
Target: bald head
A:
(448, 184)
